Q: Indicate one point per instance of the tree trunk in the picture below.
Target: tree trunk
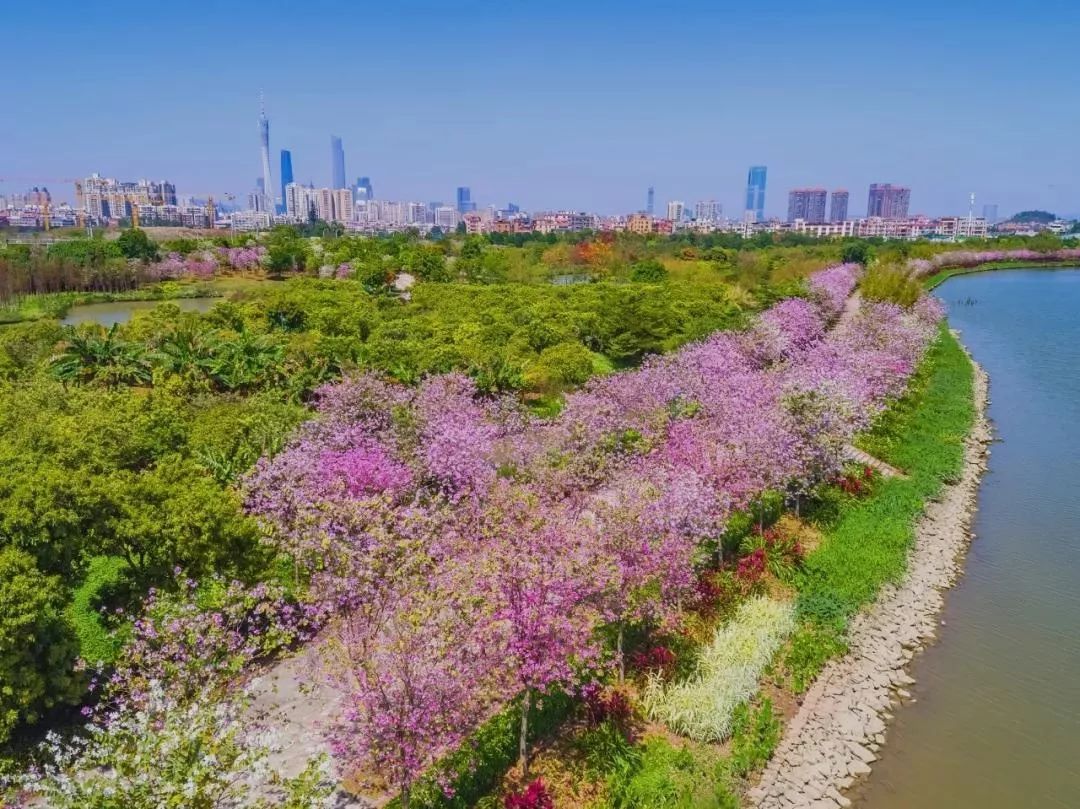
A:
(619, 650)
(523, 742)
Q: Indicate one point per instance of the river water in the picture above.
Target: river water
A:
(108, 314)
(996, 724)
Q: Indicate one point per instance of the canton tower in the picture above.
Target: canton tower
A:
(264, 141)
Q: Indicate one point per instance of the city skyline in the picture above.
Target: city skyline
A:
(561, 143)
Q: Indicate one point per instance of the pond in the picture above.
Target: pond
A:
(122, 311)
(996, 724)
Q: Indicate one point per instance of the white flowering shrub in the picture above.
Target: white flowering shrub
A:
(727, 673)
(202, 753)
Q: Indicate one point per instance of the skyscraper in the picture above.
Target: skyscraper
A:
(807, 204)
(838, 206)
(337, 163)
(888, 201)
(286, 176)
(464, 200)
(264, 144)
(990, 214)
(650, 200)
(363, 190)
(675, 210)
(707, 210)
(755, 194)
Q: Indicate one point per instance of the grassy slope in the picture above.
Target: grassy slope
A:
(867, 542)
(938, 278)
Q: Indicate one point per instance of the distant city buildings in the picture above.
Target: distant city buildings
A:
(807, 204)
(755, 194)
(887, 201)
(675, 210)
(990, 214)
(650, 201)
(337, 163)
(838, 206)
(286, 176)
(708, 211)
(363, 190)
(305, 202)
(464, 200)
(103, 199)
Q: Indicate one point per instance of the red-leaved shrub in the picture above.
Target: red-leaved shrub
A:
(534, 796)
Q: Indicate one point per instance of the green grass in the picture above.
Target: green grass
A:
(96, 643)
(659, 775)
(866, 542)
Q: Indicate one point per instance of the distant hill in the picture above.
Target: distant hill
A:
(1043, 217)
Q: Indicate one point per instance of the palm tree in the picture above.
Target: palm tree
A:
(91, 356)
(188, 352)
(245, 362)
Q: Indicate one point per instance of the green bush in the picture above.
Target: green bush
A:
(755, 734)
(660, 776)
(650, 271)
(37, 644)
(890, 284)
(97, 644)
(812, 645)
(476, 767)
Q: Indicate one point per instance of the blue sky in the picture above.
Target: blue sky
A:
(555, 104)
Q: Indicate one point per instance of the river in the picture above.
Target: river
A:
(108, 314)
(996, 722)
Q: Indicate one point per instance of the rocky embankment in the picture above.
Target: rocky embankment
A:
(835, 737)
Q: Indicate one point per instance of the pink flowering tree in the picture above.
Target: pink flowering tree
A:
(542, 578)
(417, 674)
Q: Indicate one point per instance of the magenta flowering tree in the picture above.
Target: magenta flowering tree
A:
(972, 258)
(456, 440)
(417, 675)
(541, 577)
(168, 268)
(242, 258)
(830, 288)
(454, 532)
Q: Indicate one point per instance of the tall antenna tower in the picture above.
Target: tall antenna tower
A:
(264, 144)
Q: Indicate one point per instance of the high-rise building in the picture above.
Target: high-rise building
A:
(337, 163)
(464, 200)
(675, 210)
(363, 190)
(838, 206)
(446, 218)
(888, 201)
(990, 214)
(104, 198)
(755, 194)
(264, 146)
(707, 210)
(286, 176)
(650, 200)
(807, 204)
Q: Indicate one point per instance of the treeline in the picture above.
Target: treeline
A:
(76, 265)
